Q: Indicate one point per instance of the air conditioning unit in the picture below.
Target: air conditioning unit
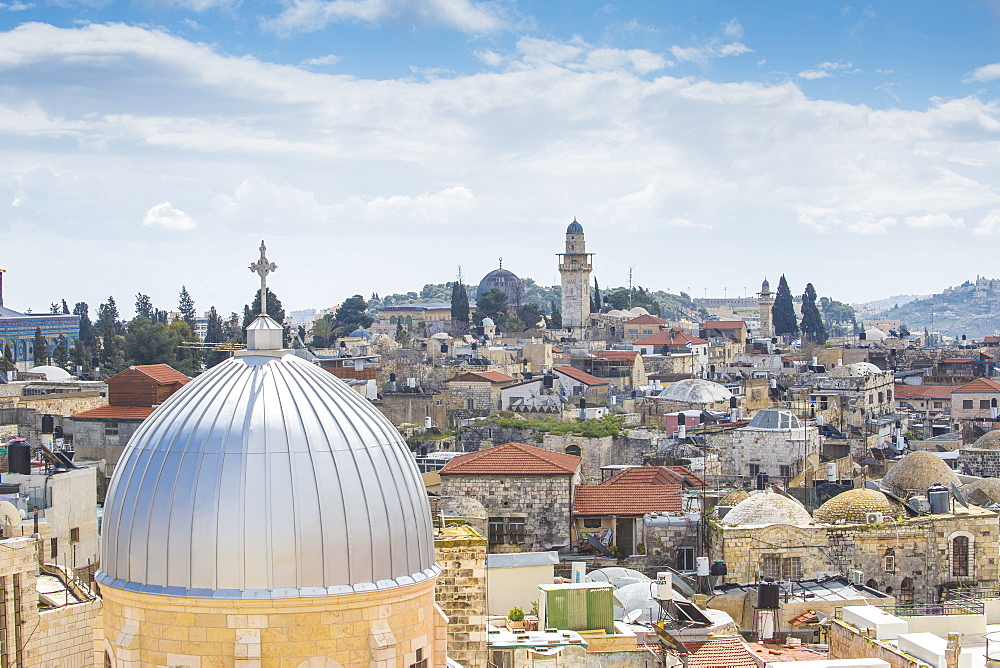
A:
(857, 577)
(873, 518)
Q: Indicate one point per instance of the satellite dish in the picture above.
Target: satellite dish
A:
(959, 496)
(9, 514)
(632, 616)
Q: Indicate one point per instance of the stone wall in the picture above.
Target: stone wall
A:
(66, 635)
(768, 449)
(847, 642)
(484, 396)
(461, 592)
(920, 548)
(379, 628)
(979, 462)
(598, 452)
(544, 501)
(481, 437)
(407, 408)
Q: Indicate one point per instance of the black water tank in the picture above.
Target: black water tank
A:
(767, 595)
(19, 458)
(48, 423)
(718, 568)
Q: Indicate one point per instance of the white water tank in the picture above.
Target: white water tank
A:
(664, 586)
(702, 566)
(831, 471)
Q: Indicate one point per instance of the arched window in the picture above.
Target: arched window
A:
(392, 320)
(906, 591)
(960, 557)
(871, 584)
(572, 450)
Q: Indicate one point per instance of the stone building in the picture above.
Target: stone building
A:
(17, 330)
(914, 559)
(478, 391)
(266, 514)
(977, 400)
(641, 327)
(575, 268)
(461, 591)
(982, 458)
(527, 493)
(765, 301)
(852, 394)
(775, 442)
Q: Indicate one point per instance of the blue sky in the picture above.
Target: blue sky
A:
(379, 145)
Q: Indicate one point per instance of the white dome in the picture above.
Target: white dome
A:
(767, 508)
(265, 477)
(855, 370)
(615, 313)
(488, 322)
(696, 391)
(875, 335)
(52, 372)
(637, 311)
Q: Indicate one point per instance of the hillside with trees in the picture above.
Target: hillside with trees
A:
(972, 308)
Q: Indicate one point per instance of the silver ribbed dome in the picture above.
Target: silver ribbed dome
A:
(265, 477)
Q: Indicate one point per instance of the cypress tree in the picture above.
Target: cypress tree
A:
(812, 323)
(459, 301)
(595, 304)
(40, 346)
(783, 311)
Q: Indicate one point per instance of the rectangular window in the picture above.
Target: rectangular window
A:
(421, 662)
(54, 548)
(984, 403)
(967, 403)
(496, 531)
(110, 428)
(515, 530)
(592, 523)
(889, 563)
(937, 404)
(685, 559)
(791, 568)
(770, 566)
(785, 471)
(74, 535)
(754, 470)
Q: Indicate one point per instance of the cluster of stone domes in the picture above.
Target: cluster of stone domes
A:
(856, 370)
(916, 472)
(853, 506)
(696, 391)
(985, 492)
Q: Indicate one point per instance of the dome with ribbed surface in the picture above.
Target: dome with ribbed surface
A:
(265, 477)
(695, 391)
(574, 228)
(767, 508)
(853, 506)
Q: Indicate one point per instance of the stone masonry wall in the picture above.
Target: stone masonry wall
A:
(461, 592)
(847, 642)
(66, 635)
(544, 501)
(983, 463)
(598, 452)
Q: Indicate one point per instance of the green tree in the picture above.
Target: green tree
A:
(41, 348)
(110, 329)
(351, 315)
(783, 310)
(188, 359)
(493, 305)
(812, 322)
(87, 336)
(402, 335)
(144, 307)
(54, 308)
(79, 355)
(7, 359)
(555, 317)
(65, 307)
(624, 299)
(322, 331)
(148, 342)
(460, 304)
(215, 333)
(530, 314)
(186, 307)
(595, 303)
(60, 356)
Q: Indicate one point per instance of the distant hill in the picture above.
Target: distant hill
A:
(871, 309)
(972, 308)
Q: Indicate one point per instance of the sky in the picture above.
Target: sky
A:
(378, 145)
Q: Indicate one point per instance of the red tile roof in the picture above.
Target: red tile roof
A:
(512, 459)
(695, 479)
(117, 413)
(163, 374)
(978, 386)
(922, 391)
(992, 339)
(958, 360)
(672, 337)
(784, 653)
(646, 320)
(721, 652)
(580, 376)
(607, 499)
(483, 377)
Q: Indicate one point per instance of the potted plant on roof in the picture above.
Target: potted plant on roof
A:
(515, 618)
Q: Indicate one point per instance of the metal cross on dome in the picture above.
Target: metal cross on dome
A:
(262, 267)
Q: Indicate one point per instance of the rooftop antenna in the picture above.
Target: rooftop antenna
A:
(262, 267)
(630, 287)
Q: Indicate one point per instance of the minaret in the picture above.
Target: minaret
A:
(765, 299)
(575, 268)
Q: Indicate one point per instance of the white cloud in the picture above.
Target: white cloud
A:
(983, 74)
(701, 54)
(16, 6)
(989, 224)
(733, 29)
(197, 5)
(827, 69)
(934, 220)
(321, 61)
(166, 217)
(467, 16)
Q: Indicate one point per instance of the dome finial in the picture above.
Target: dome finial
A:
(501, 263)
(263, 268)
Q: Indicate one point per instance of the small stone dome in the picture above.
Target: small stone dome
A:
(734, 497)
(985, 492)
(917, 471)
(876, 335)
(856, 370)
(462, 506)
(696, 391)
(767, 508)
(637, 311)
(51, 372)
(574, 228)
(988, 441)
(852, 505)
(488, 322)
